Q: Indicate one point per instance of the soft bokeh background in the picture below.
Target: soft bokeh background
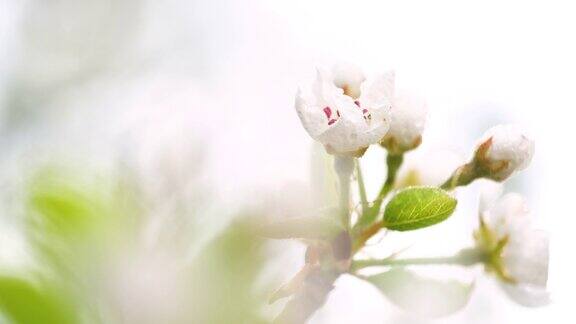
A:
(193, 102)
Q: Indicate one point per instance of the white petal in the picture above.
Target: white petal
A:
(348, 134)
(348, 77)
(526, 257)
(375, 130)
(527, 295)
(376, 95)
(323, 89)
(490, 191)
(509, 214)
(312, 117)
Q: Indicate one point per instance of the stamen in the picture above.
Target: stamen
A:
(365, 112)
(328, 112)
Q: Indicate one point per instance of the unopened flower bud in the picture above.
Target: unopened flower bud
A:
(408, 118)
(503, 150)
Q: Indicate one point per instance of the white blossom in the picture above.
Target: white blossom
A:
(346, 125)
(517, 253)
(408, 119)
(502, 150)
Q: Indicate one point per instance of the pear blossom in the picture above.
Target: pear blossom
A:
(502, 150)
(408, 118)
(515, 252)
(344, 120)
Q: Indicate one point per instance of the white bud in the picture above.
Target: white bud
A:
(349, 78)
(407, 124)
(503, 150)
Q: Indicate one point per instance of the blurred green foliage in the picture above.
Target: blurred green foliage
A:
(77, 222)
(72, 219)
(26, 303)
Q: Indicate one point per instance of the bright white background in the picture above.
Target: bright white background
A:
(235, 65)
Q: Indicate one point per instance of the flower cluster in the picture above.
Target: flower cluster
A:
(347, 113)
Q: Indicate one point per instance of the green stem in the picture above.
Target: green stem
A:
(462, 176)
(393, 162)
(361, 187)
(465, 257)
(345, 201)
(344, 167)
(366, 234)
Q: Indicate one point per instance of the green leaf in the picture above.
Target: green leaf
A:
(24, 303)
(423, 296)
(418, 207)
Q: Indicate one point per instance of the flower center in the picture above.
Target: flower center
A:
(328, 113)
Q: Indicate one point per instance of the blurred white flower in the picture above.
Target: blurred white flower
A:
(516, 253)
(345, 123)
(504, 149)
(408, 119)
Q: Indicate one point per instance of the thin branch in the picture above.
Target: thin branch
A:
(465, 257)
(393, 163)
